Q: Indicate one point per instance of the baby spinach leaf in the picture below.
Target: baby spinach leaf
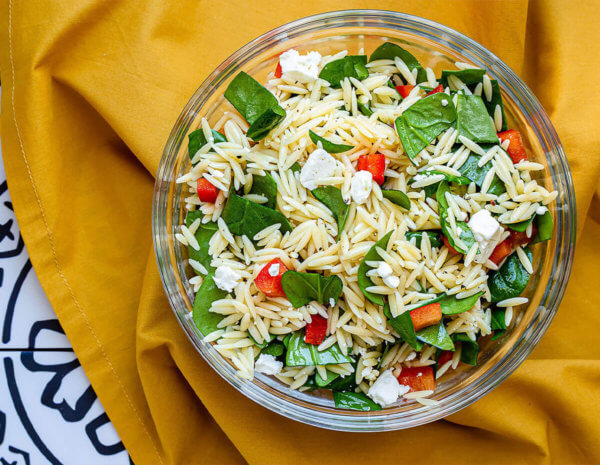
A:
(203, 235)
(275, 348)
(363, 280)
(331, 197)
(424, 121)
(388, 51)
(261, 345)
(496, 100)
(453, 306)
(522, 225)
(267, 187)
(329, 147)
(431, 189)
(469, 348)
(473, 120)
(386, 348)
(344, 383)
(354, 401)
(302, 288)
(510, 280)
(349, 66)
(300, 353)
(403, 325)
(435, 238)
(244, 217)
(498, 324)
(324, 382)
(471, 170)
(466, 235)
(364, 109)
(397, 197)
(196, 140)
(256, 104)
(205, 320)
(468, 76)
(545, 225)
(436, 336)
(296, 168)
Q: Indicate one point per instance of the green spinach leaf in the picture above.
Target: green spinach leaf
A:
(364, 109)
(203, 235)
(302, 288)
(388, 51)
(354, 401)
(299, 353)
(469, 348)
(435, 238)
(349, 66)
(261, 345)
(196, 140)
(431, 189)
(344, 383)
(324, 382)
(436, 336)
(471, 170)
(331, 197)
(205, 320)
(256, 104)
(468, 76)
(275, 348)
(329, 147)
(522, 225)
(496, 100)
(424, 121)
(453, 306)
(473, 120)
(363, 280)
(403, 325)
(466, 234)
(267, 187)
(244, 217)
(498, 324)
(545, 225)
(510, 280)
(397, 197)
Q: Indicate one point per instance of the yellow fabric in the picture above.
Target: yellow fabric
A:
(90, 90)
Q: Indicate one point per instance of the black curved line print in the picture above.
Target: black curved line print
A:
(12, 301)
(3, 187)
(16, 251)
(91, 430)
(2, 426)
(39, 326)
(20, 452)
(69, 414)
(20, 409)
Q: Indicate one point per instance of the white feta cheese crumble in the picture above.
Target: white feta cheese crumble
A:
(362, 183)
(319, 165)
(444, 102)
(462, 216)
(332, 302)
(268, 365)
(386, 389)
(273, 269)
(541, 210)
(301, 68)
(391, 281)
(225, 278)
(384, 270)
(487, 232)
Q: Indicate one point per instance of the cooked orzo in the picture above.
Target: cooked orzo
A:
(360, 224)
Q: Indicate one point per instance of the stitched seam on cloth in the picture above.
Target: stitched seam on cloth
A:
(51, 241)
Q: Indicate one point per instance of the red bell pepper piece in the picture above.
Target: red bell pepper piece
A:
(501, 251)
(445, 357)
(375, 164)
(206, 191)
(437, 90)
(278, 71)
(315, 331)
(426, 316)
(404, 90)
(451, 249)
(516, 149)
(417, 378)
(269, 282)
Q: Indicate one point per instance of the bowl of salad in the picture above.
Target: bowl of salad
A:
(364, 220)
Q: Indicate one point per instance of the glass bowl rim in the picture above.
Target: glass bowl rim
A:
(563, 252)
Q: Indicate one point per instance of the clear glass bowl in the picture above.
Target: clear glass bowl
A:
(436, 46)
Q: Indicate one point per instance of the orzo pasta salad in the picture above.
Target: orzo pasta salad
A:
(359, 224)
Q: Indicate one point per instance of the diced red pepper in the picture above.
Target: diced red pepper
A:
(375, 164)
(451, 249)
(501, 251)
(445, 357)
(417, 378)
(278, 71)
(520, 238)
(269, 284)
(516, 149)
(426, 316)
(405, 90)
(206, 191)
(437, 90)
(315, 331)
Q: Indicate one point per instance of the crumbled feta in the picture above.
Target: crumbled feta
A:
(301, 68)
(541, 210)
(444, 102)
(332, 302)
(384, 270)
(273, 269)
(268, 365)
(225, 278)
(487, 232)
(319, 165)
(419, 177)
(362, 183)
(391, 281)
(386, 389)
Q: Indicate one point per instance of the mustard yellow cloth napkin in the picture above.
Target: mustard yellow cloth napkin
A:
(90, 91)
